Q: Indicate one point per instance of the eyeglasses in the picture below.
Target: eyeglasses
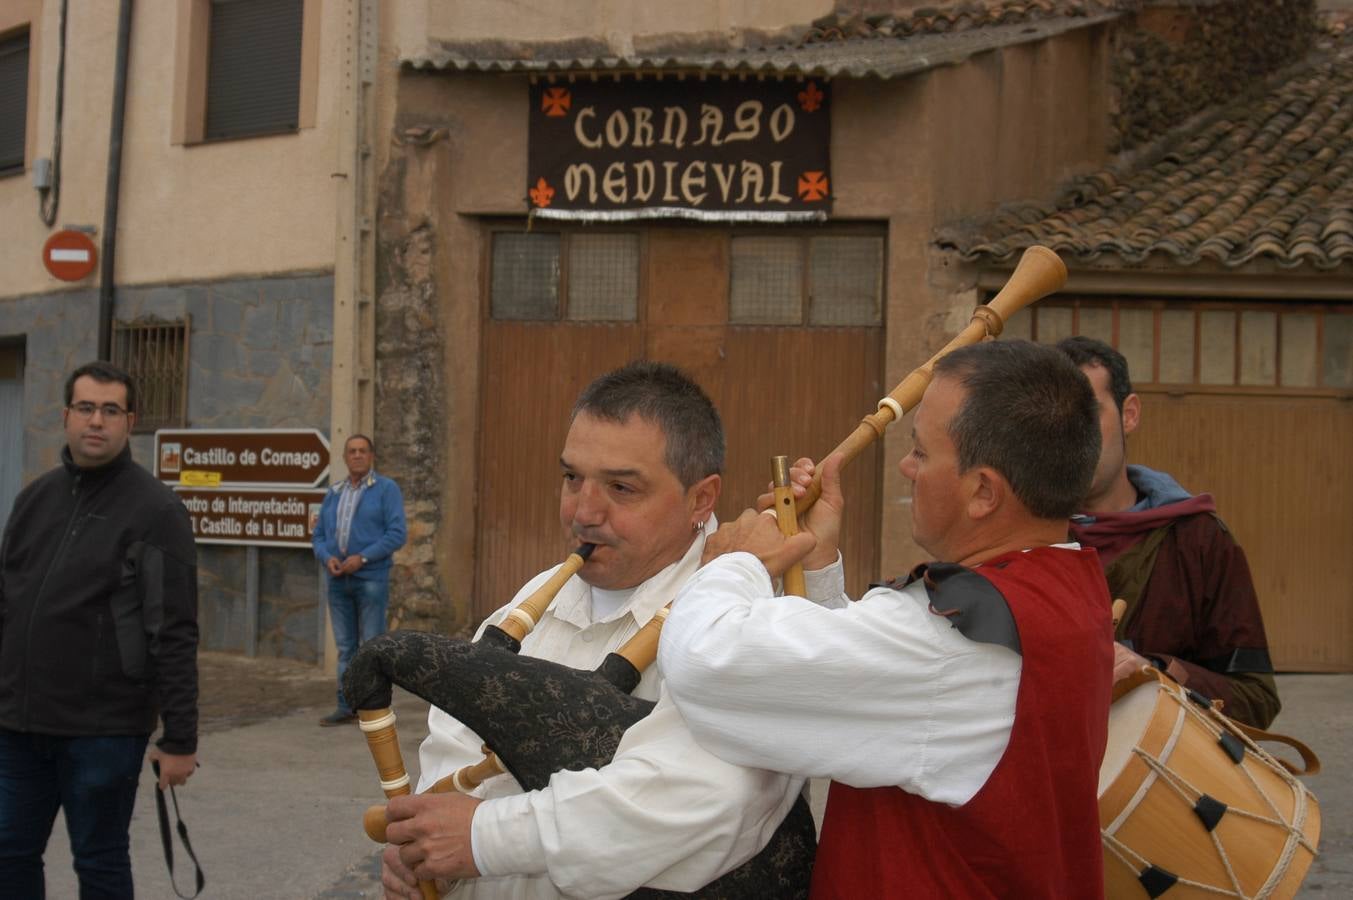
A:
(85, 410)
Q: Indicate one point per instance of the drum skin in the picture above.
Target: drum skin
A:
(1261, 846)
(540, 718)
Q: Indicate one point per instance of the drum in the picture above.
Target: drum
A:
(1191, 806)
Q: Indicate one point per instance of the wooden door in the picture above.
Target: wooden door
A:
(1279, 470)
(780, 390)
(534, 372)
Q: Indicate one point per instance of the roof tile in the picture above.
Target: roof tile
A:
(1268, 176)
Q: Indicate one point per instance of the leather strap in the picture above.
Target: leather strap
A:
(168, 841)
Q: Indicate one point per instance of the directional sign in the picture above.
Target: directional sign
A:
(266, 518)
(69, 255)
(232, 457)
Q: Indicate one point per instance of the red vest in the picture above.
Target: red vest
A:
(1033, 829)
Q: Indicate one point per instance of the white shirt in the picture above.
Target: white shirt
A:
(663, 813)
(872, 693)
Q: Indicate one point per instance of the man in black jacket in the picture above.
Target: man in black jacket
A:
(98, 640)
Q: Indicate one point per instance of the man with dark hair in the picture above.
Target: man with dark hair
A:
(98, 640)
(641, 471)
(961, 714)
(1191, 605)
(360, 526)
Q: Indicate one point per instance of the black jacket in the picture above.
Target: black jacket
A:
(98, 607)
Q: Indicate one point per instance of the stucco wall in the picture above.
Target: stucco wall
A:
(913, 153)
(224, 209)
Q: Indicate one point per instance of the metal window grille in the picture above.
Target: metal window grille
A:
(767, 281)
(254, 68)
(13, 101)
(845, 280)
(155, 354)
(525, 278)
(603, 277)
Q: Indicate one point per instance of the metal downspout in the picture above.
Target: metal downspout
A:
(114, 183)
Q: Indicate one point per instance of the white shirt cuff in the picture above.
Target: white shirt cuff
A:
(504, 837)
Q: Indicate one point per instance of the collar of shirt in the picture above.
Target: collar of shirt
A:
(574, 603)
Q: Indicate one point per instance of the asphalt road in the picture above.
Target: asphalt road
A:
(275, 811)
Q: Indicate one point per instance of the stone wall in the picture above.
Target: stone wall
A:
(259, 357)
(1175, 59)
(410, 400)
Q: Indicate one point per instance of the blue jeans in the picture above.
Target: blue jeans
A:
(357, 611)
(94, 780)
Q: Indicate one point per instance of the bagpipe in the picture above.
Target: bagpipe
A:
(537, 717)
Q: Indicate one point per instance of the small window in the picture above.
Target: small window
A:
(1221, 346)
(155, 354)
(549, 276)
(817, 279)
(13, 102)
(253, 68)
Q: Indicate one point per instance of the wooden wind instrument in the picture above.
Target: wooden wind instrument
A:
(1039, 272)
(521, 619)
(786, 516)
(378, 725)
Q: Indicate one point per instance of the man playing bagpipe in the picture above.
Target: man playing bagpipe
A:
(640, 478)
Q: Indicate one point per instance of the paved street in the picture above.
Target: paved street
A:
(275, 810)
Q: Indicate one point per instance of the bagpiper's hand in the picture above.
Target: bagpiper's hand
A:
(823, 518)
(757, 534)
(433, 834)
(397, 879)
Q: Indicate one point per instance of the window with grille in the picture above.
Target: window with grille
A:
(1253, 347)
(551, 276)
(807, 279)
(13, 102)
(155, 354)
(253, 68)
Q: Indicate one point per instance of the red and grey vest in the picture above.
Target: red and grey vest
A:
(1032, 830)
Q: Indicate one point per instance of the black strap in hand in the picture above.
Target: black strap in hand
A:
(182, 829)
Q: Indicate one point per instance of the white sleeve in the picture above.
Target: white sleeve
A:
(663, 813)
(879, 692)
(827, 586)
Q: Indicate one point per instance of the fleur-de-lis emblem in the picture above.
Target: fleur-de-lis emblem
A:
(542, 193)
(812, 186)
(810, 98)
(556, 101)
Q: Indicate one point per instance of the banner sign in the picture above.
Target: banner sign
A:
(265, 518)
(715, 150)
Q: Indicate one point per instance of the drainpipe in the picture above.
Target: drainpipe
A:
(114, 183)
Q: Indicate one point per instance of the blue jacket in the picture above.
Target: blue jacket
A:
(377, 527)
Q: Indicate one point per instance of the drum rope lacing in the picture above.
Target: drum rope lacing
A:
(1214, 725)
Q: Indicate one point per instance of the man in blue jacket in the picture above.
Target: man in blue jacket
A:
(360, 526)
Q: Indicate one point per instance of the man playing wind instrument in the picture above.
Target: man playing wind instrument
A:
(641, 475)
(961, 715)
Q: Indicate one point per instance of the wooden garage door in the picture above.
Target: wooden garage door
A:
(782, 329)
(1250, 402)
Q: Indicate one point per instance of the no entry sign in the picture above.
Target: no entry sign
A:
(70, 255)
